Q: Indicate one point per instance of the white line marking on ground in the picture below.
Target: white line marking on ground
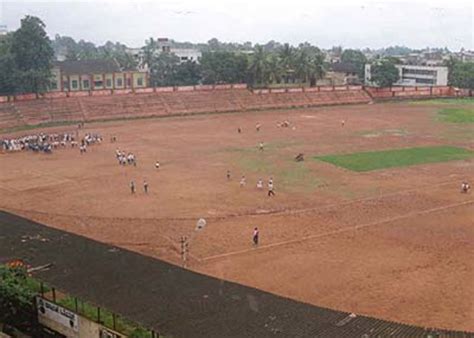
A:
(330, 233)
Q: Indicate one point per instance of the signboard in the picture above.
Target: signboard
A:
(57, 314)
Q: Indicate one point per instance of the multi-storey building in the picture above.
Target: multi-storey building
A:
(415, 75)
(94, 75)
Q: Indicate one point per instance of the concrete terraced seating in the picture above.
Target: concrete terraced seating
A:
(90, 108)
(49, 110)
(8, 116)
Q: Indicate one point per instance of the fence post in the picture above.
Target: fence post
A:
(42, 289)
(75, 304)
(54, 294)
(98, 314)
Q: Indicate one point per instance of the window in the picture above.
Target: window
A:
(54, 85)
(74, 84)
(65, 85)
(98, 84)
(108, 83)
(119, 82)
(85, 84)
(140, 82)
(419, 71)
(425, 81)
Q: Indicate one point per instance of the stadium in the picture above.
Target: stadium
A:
(369, 221)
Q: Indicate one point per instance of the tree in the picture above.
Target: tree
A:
(33, 55)
(287, 60)
(260, 71)
(273, 69)
(463, 75)
(8, 71)
(65, 46)
(149, 51)
(163, 70)
(188, 73)
(384, 73)
(316, 69)
(223, 67)
(16, 297)
(355, 58)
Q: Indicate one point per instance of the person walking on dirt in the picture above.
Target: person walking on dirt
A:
(132, 187)
(270, 187)
(145, 186)
(157, 165)
(260, 146)
(465, 187)
(228, 175)
(239, 130)
(255, 236)
(242, 181)
(259, 184)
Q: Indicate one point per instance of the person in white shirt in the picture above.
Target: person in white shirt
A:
(260, 184)
(270, 187)
(465, 187)
(242, 181)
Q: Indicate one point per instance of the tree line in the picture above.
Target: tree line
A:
(27, 56)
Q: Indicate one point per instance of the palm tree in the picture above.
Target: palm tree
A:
(302, 65)
(316, 68)
(259, 66)
(149, 52)
(275, 70)
(287, 60)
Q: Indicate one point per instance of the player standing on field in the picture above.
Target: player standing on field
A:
(255, 236)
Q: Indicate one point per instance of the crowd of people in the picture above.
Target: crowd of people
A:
(38, 142)
(46, 143)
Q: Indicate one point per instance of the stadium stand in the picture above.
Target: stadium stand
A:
(165, 101)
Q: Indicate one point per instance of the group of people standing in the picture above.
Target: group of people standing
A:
(243, 182)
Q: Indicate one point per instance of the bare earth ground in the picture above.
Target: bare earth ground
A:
(395, 244)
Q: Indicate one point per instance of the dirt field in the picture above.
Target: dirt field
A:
(395, 244)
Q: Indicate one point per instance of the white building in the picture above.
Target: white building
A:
(165, 46)
(416, 75)
(3, 30)
(186, 54)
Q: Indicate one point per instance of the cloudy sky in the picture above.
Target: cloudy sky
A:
(350, 23)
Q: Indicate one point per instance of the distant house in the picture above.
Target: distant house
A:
(339, 74)
(94, 75)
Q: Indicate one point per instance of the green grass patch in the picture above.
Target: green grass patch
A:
(289, 174)
(457, 101)
(457, 115)
(373, 160)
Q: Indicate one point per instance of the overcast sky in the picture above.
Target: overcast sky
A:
(356, 23)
